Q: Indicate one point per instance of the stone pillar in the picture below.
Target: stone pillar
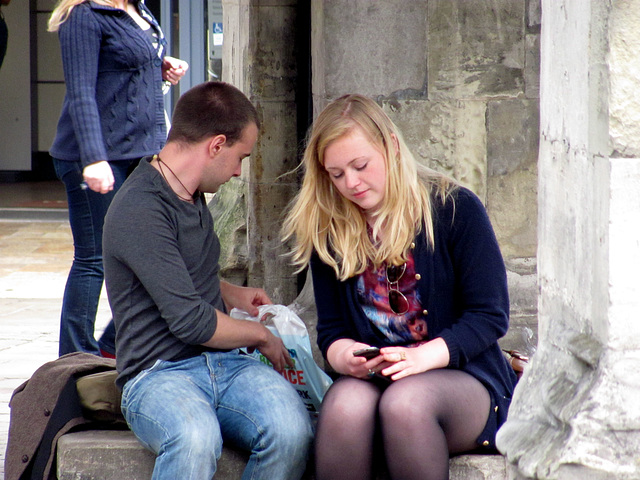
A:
(576, 412)
(259, 58)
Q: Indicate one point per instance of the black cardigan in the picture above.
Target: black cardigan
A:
(463, 286)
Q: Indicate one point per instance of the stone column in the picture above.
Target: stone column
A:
(576, 412)
(259, 58)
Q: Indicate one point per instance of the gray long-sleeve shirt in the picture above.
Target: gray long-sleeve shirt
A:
(161, 266)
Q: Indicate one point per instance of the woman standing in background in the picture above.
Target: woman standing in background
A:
(115, 69)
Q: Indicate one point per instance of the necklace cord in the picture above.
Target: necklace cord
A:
(160, 163)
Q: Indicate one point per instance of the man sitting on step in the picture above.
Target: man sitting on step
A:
(185, 385)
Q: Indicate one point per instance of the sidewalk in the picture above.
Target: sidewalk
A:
(35, 257)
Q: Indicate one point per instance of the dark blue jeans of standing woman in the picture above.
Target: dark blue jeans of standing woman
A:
(87, 210)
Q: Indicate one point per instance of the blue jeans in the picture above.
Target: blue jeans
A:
(182, 410)
(87, 210)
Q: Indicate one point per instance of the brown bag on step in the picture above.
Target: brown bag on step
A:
(99, 396)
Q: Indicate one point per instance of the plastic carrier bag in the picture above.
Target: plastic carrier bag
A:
(310, 381)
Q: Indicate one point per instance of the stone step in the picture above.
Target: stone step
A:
(117, 455)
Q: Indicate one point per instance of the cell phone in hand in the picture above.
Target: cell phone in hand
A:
(368, 353)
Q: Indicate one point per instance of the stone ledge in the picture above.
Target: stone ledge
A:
(117, 454)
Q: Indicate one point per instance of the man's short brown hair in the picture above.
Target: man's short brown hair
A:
(209, 109)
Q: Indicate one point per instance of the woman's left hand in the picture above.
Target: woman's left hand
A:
(98, 176)
(409, 361)
(173, 69)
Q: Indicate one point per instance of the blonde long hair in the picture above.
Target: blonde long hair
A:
(63, 9)
(321, 218)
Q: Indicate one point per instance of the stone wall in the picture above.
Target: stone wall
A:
(460, 78)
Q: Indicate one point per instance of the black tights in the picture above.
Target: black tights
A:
(421, 419)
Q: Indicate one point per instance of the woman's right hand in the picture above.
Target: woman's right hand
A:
(341, 358)
(99, 177)
(173, 69)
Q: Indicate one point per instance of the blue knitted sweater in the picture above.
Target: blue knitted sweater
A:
(114, 107)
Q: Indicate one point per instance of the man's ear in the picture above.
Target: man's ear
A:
(216, 143)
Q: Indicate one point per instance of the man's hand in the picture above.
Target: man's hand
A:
(99, 177)
(235, 333)
(244, 298)
(274, 350)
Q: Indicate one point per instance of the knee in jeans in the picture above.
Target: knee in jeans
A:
(292, 438)
(198, 438)
(302, 433)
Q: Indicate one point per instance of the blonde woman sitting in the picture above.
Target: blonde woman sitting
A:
(405, 260)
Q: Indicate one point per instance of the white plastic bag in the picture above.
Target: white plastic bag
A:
(310, 381)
